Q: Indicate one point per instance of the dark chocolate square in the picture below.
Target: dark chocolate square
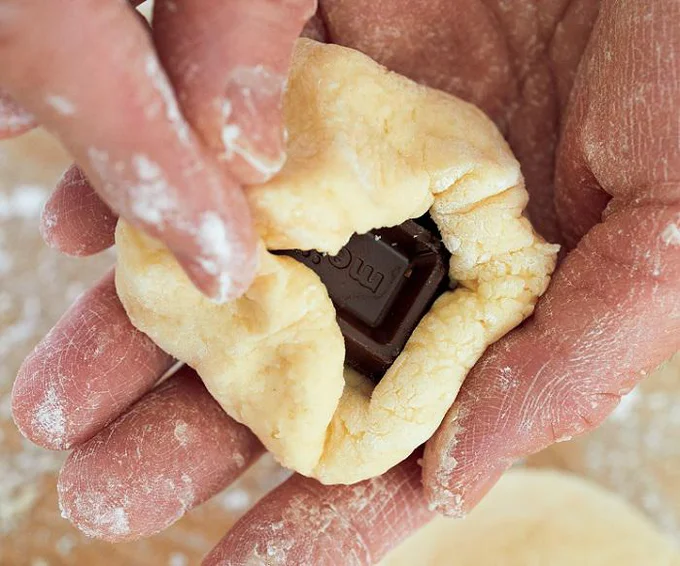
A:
(381, 283)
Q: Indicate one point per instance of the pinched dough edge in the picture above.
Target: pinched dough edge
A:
(367, 148)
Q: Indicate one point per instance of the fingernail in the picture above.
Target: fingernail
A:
(252, 134)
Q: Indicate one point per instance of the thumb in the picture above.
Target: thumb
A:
(611, 315)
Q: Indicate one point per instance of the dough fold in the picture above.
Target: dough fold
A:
(367, 148)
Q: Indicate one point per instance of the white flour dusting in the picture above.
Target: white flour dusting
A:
(181, 433)
(216, 251)
(49, 418)
(96, 516)
(152, 196)
(671, 234)
(507, 379)
(230, 135)
(167, 99)
(61, 104)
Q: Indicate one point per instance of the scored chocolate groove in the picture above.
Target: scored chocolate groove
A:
(381, 283)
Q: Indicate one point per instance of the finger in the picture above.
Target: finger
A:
(229, 61)
(611, 315)
(75, 220)
(90, 367)
(141, 157)
(14, 120)
(615, 152)
(173, 450)
(304, 522)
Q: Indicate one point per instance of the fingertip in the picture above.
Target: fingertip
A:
(446, 496)
(224, 259)
(38, 407)
(75, 221)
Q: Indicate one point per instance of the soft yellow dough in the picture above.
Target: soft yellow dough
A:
(537, 518)
(367, 148)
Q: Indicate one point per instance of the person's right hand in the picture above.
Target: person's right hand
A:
(166, 125)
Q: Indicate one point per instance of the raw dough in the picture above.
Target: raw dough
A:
(366, 148)
(534, 518)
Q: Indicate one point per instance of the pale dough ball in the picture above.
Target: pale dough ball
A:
(366, 148)
(540, 518)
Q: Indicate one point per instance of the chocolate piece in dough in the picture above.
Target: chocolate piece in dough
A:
(381, 283)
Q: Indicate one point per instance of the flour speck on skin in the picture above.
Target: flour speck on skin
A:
(181, 433)
(507, 380)
(186, 494)
(61, 104)
(153, 198)
(168, 100)
(49, 417)
(226, 109)
(230, 135)
(216, 252)
(49, 221)
(671, 234)
(96, 517)
(100, 162)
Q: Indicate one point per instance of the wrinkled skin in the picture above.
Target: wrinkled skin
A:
(587, 94)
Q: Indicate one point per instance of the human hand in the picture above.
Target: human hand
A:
(111, 91)
(611, 313)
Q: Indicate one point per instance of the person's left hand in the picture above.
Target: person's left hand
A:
(559, 375)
